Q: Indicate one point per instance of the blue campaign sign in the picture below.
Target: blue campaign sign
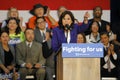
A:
(85, 50)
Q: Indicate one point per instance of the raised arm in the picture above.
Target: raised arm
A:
(51, 19)
(84, 26)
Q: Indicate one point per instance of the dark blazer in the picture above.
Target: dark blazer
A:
(46, 46)
(114, 72)
(102, 28)
(39, 37)
(59, 37)
(33, 56)
(2, 54)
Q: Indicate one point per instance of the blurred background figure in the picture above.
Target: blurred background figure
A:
(14, 30)
(97, 14)
(112, 36)
(42, 35)
(109, 63)
(60, 10)
(7, 54)
(94, 36)
(30, 57)
(13, 13)
(38, 11)
(81, 38)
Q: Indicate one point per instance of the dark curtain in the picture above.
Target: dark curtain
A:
(115, 17)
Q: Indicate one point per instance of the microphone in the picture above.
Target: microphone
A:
(67, 27)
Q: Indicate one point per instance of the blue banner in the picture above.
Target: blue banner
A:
(82, 50)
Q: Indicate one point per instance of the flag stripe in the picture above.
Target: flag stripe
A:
(77, 13)
(54, 4)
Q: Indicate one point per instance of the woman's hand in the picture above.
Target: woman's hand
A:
(6, 70)
(10, 67)
(86, 16)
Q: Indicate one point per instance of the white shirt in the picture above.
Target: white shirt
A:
(23, 65)
(41, 31)
(107, 57)
(90, 38)
(67, 35)
(111, 36)
(30, 43)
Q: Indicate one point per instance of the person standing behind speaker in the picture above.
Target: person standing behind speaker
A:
(109, 63)
(97, 16)
(42, 35)
(40, 10)
(14, 30)
(81, 38)
(94, 36)
(13, 13)
(67, 30)
(30, 58)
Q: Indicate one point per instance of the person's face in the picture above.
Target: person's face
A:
(39, 12)
(97, 12)
(12, 25)
(4, 38)
(94, 27)
(80, 38)
(13, 13)
(104, 39)
(61, 10)
(41, 24)
(29, 34)
(66, 20)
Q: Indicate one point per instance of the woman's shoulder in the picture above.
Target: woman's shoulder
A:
(75, 25)
(56, 28)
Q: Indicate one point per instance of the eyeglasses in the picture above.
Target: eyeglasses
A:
(40, 22)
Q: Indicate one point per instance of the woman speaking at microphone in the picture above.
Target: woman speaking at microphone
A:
(67, 30)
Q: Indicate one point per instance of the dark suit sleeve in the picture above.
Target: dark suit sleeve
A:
(19, 57)
(83, 27)
(116, 50)
(35, 35)
(55, 42)
(13, 52)
(41, 60)
(119, 66)
(46, 51)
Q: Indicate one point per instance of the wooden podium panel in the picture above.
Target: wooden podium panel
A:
(81, 69)
(59, 70)
(77, 68)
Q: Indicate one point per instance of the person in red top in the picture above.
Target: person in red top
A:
(38, 11)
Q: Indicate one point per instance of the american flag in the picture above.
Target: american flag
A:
(78, 7)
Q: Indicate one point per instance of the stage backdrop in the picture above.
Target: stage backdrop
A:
(78, 7)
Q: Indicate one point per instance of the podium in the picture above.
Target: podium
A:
(77, 68)
(81, 69)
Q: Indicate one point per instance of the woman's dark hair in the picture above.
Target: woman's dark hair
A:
(18, 29)
(84, 37)
(90, 25)
(3, 31)
(62, 16)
